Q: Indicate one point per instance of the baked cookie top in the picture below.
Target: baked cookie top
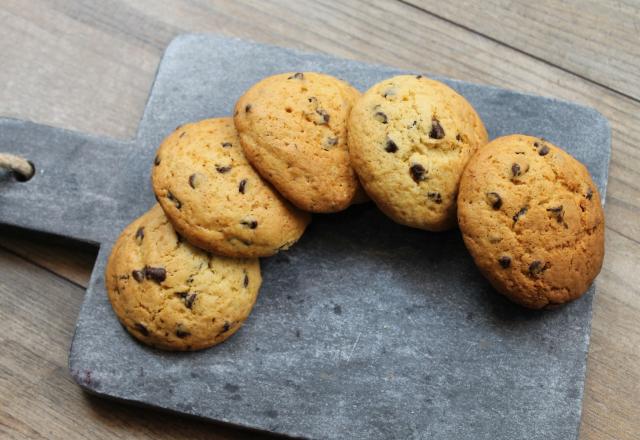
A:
(293, 129)
(171, 295)
(532, 219)
(409, 139)
(215, 199)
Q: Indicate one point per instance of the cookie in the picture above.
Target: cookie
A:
(532, 219)
(172, 295)
(215, 199)
(293, 129)
(409, 139)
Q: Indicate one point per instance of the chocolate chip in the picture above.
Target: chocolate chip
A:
(391, 91)
(515, 170)
(188, 298)
(156, 161)
(222, 169)
(330, 142)
(380, 117)
(589, 194)
(324, 115)
(138, 275)
(413, 124)
(418, 76)
(504, 261)
(178, 127)
(437, 132)
(157, 274)
(251, 224)
(192, 181)
(140, 234)
(458, 137)
(391, 146)
(247, 108)
(519, 214)
(297, 75)
(227, 145)
(245, 282)
(141, 328)
(225, 327)
(173, 198)
(182, 332)
(417, 172)
(435, 197)
(543, 151)
(242, 186)
(557, 212)
(537, 267)
(494, 200)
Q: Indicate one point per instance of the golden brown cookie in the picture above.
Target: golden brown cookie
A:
(531, 217)
(171, 295)
(293, 129)
(410, 138)
(215, 199)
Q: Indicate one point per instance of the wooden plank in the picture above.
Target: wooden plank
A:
(597, 40)
(109, 51)
(70, 260)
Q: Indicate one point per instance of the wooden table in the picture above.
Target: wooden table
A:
(88, 66)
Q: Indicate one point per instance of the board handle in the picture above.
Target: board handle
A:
(72, 192)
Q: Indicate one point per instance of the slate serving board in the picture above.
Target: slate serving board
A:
(365, 329)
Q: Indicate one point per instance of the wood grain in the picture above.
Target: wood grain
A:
(89, 65)
(598, 40)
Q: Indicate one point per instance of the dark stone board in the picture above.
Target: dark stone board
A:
(363, 330)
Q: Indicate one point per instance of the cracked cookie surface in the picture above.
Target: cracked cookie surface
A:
(215, 199)
(532, 219)
(409, 140)
(172, 295)
(293, 129)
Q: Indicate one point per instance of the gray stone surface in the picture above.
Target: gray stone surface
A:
(365, 329)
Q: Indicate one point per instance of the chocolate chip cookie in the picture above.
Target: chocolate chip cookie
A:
(171, 295)
(532, 219)
(215, 199)
(409, 139)
(293, 129)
